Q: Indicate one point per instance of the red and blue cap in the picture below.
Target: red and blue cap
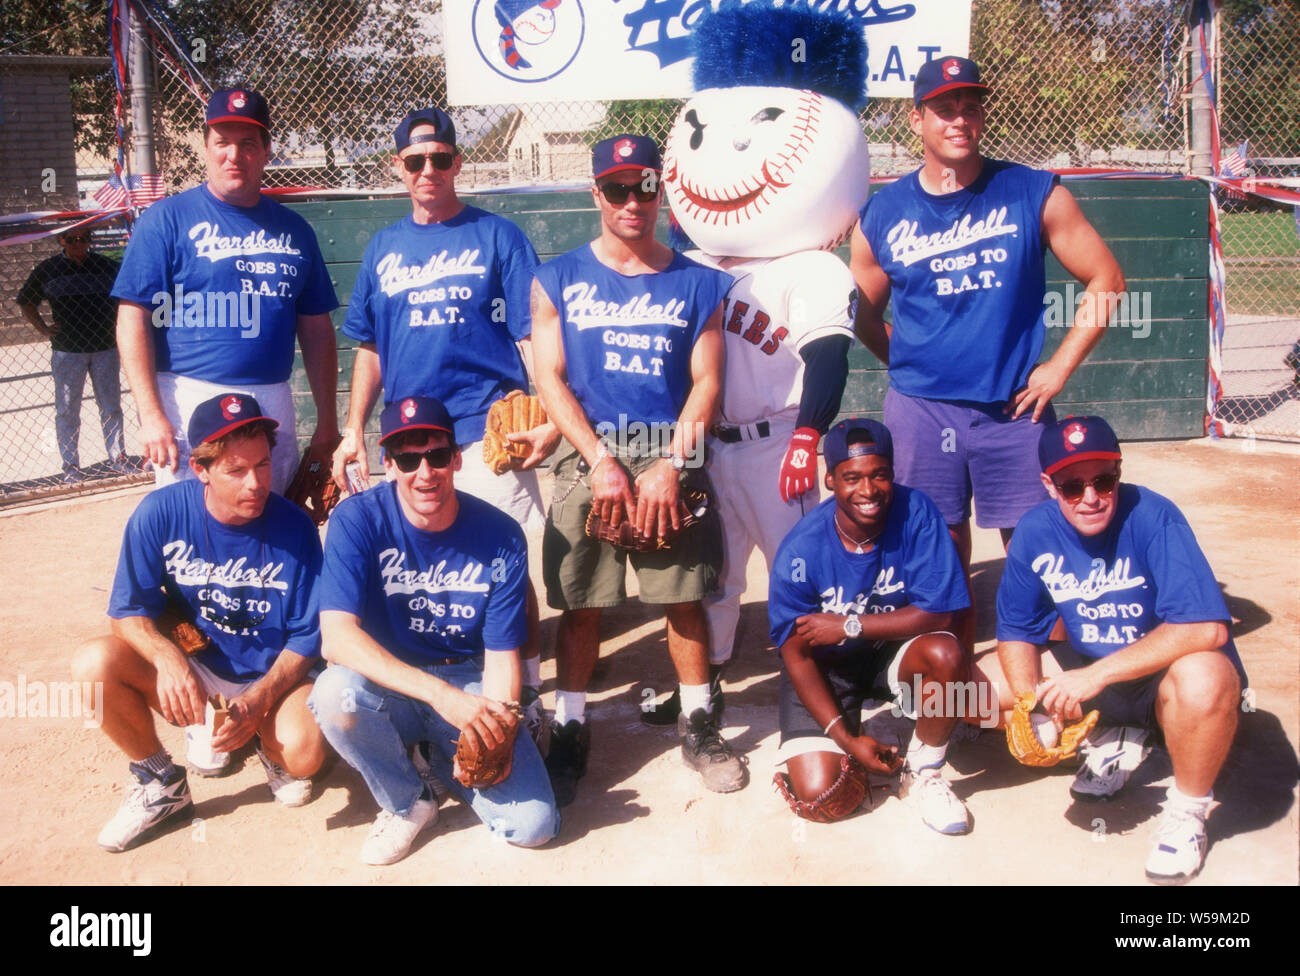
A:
(1076, 439)
(867, 436)
(944, 74)
(415, 413)
(238, 105)
(444, 128)
(223, 413)
(623, 152)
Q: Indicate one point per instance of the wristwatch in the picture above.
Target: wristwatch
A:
(852, 626)
(678, 462)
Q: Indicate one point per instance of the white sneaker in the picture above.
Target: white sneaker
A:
(938, 804)
(198, 748)
(391, 836)
(1177, 845)
(150, 801)
(287, 789)
(1110, 757)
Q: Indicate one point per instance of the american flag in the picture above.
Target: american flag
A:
(1233, 166)
(144, 189)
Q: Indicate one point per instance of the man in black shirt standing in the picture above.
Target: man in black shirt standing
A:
(83, 339)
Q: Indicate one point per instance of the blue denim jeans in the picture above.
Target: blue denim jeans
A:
(69, 370)
(373, 729)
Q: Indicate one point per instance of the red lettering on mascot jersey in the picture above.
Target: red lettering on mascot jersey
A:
(735, 315)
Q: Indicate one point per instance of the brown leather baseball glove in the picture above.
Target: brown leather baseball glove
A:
(176, 624)
(514, 413)
(1024, 743)
(481, 764)
(840, 799)
(692, 503)
(312, 489)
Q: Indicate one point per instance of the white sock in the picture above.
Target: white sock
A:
(693, 697)
(1175, 797)
(532, 671)
(920, 756)
(570, 706)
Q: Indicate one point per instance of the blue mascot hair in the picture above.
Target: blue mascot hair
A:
(753, 43)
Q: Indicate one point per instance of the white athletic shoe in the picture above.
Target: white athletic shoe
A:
(938, 804)
(1177, 845)
(1110, 757)
(391, 836)
(289, 790)
(151, 800)
(198, 748)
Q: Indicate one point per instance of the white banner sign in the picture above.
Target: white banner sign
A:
(512, 51)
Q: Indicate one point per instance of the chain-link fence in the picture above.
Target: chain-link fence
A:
(1077, 83)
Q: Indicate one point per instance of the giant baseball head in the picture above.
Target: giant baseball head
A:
(768, 157)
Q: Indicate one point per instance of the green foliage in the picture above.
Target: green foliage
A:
(652, 117)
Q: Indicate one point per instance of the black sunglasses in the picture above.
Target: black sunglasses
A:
(415, 162)
(1073, 490)
(617, 193)
(438, 457)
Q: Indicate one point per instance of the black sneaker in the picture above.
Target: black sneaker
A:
(670, 709)
(566, 762)
(706, 751)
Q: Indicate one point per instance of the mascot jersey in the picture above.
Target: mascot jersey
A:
(1113, 588)
(774, 308)
(224, 285)
(966, 271)
(444, 304)
(252, 588)
(427, 596)
(628, 338)
(913, 563)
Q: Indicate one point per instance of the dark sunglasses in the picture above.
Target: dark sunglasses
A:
(415, 162)
(438, 457)
(1073, 490)
(617, 193)
(76, 240)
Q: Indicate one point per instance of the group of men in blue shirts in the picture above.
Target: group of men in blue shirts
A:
(421, 598)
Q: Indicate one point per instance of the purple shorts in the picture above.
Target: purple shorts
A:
(956, 451)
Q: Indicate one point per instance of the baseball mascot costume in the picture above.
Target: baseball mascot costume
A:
(765, 172)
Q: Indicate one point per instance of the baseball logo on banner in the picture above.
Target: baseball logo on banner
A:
(528, 41)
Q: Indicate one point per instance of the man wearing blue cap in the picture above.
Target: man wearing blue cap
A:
(422, 613)
(1149, 643)
(440, 309)
(216, 284)
(241, 565)
(959, 245)
(629, 340)
(862, 596)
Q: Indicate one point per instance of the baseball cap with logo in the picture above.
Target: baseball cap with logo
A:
(415, 413)
(444, 128)
(624, 152)
(238, 105)
(857, 437)
(944, 74)
(1076, 439)
(223, 413)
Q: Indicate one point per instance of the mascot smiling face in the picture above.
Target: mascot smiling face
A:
(761, 172)
(768, 158)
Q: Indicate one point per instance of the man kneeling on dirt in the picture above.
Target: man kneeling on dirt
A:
(1149, 646)
(862, 593)
(240, 567)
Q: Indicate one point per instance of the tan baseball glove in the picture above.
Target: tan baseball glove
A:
(312, 489)
(692, 503)
(1024, 743)
(481, 764)
(514, 413)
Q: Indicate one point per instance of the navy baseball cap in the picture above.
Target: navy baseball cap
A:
(872, 437)
(223, 413)
(943, 75)
(238, 105)
(1076, 439)
(415, 413)
(624, 152)
(444, 128)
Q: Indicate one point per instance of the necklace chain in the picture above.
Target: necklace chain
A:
(848, 538)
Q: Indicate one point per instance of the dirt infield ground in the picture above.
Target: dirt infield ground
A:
(641, 816)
